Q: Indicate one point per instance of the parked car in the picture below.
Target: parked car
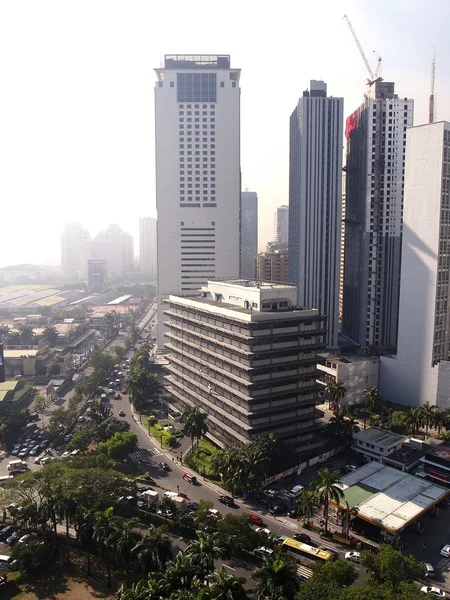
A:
(353, 556)
(14, 537)
(67, 437)
(263, 551)
(227, 500)
(349, 468)
(81, 419)
(5, 532)
(445, 551)
(254, 520)
(117, 396)
(124, 390)
(292, 514)
(279, 508)
(270, 493)
(263, 530)
(23, 453)
(434, 591)
(295, 492)
(429, 570)
(65, 454)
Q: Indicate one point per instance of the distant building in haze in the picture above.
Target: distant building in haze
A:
(198, 178)
(147, 246)
(376, 144)
(272, 266)
(73, 241)
(281, 225)
(124, 240)
(97, 275)
(249, 234)
(315, 188)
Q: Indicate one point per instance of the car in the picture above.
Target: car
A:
(14, 537)
(279, 539)
(25, 538)
(164, 513)
(264, 502)
(334, 553)
(81, 419)
(292, 514)
(23, 453)
(164, 466)
(227, 500)
(67, 437)
(350, 468)
(124, 390)
(65, 454)
(111, 392)
(117, 396)
(263, 551)
(263, 530)
(270, 493)
(15, 451)
(5, 532)
(353, 556)
(445, 551)
(280, 507)
(213, 512)
(429, 570)
(295, 492)
(303, 537)
(434, 591)
(121, 413)
(254, 520)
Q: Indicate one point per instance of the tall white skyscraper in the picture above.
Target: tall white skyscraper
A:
(73, 254)
(281, 225)
(198, 183)
(315, 197)
(421, 370)
(249, 234)
(147, 245)
(376, 142)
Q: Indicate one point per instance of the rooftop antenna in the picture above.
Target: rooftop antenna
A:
(432, 103)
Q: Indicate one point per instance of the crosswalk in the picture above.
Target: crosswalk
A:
(143, 454)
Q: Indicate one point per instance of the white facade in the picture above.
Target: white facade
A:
(357, 373)
(281, 225)
(148, 246)
(421, 370)
(197, 106)
(315, 196)
(73, 251)
(376, 143)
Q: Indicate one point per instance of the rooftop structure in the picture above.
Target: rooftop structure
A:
(197, 61)
(380, 437)
(388, 498)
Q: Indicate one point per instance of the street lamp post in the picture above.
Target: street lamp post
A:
(161, 441)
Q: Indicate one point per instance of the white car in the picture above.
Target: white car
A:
(434, 591)
(263, 551)
(263, 530)
(353, 556)
(445, 551)
(65, 454)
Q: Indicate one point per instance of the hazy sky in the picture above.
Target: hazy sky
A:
(76, 95)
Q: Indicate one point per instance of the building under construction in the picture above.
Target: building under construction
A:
(376, 142)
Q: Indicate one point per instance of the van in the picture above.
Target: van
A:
(46, 460)
(17, 465)
(295, 492)
(190, 478)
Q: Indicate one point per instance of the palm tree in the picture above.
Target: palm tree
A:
(154, 588)
(124, 538)
(27, 335)
(306, 502)
(66, 508)
(414, 419)
(180, 573)
(328, 391)
(153, 551)
(104, 527)
(371, 396)
(203, 551)
(194, 423)
(225, 586)
(277, 578)
(347, 515)
(428, 415)
(327, 487)
(256, 459)
(51, 335)
(85, 534)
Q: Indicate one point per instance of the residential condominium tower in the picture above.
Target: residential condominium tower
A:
(420, 372)
(247, 356)
(315, 187)
(198, 183)
(376, 142)
(281, 225)
(249, 234)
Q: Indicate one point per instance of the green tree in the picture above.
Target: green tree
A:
(85, 519)
(347, 514)
(39, 403)
(120, 352)
(119, 445)
(428, 416)
(327, 487)
(371, 397)
(143, 387)
(391, 567)
(237, 531)
(224, 586)
(153, 551)
(123, 539)
(53, 369)
(414, 419)
(339, 573)
(306, 504)
(277, 578)
(51, 335)
(194, 423)
(27, 336)
(203, 551)
(104, 528)
(34, 556)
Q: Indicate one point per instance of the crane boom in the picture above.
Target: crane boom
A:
(361, 51)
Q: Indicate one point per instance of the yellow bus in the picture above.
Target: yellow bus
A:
(299, 550)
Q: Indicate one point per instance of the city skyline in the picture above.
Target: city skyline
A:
(83, 151)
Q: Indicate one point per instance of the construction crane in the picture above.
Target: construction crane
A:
(432, 105)
(374, 76)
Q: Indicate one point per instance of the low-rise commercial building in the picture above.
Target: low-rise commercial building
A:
(357, 373)
(246, 355)
(436, 464)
